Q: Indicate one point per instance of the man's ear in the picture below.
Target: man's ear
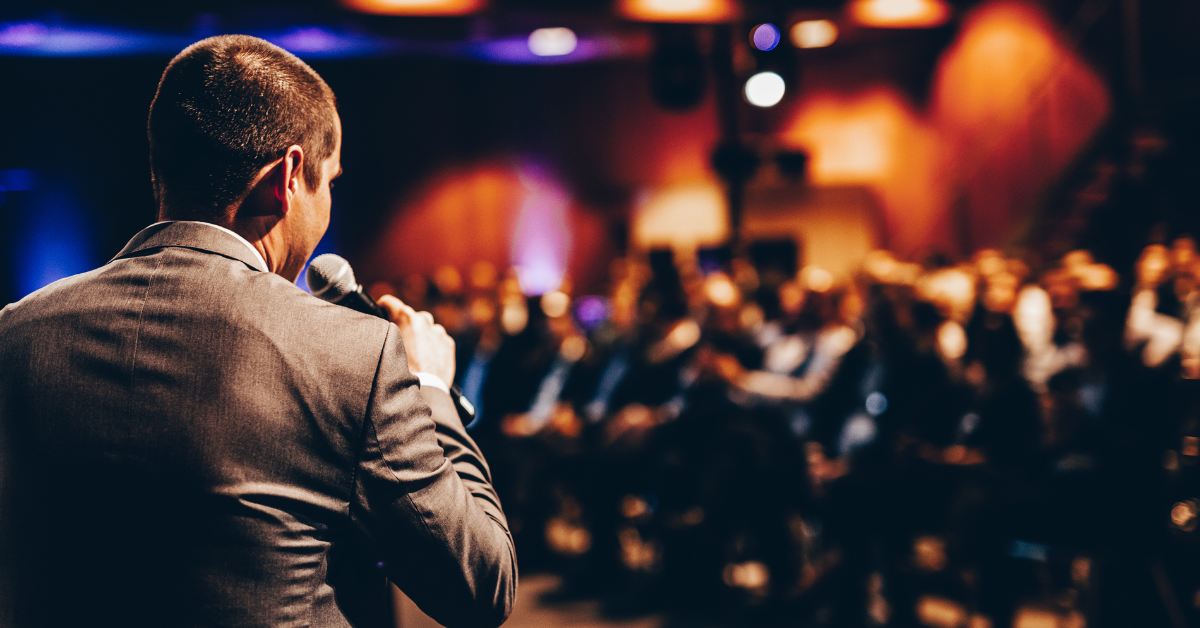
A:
(286, 179)
(274, 186)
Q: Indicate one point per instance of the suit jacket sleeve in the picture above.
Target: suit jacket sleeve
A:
(424, 498)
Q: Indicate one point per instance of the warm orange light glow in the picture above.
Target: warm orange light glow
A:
(426, 231)
(681, 216)
(720, 291)
(1012, 105)
(873, 138)
(1005, 53)
(850, 139)
(900, 13)
(814, 34)
(816, 278)
(415, 7)
(692, 11)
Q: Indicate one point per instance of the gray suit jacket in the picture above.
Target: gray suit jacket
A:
(188, 440)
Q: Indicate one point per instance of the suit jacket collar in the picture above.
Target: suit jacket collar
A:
(200, 236)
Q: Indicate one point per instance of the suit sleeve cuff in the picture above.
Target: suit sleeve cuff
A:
(429, 380)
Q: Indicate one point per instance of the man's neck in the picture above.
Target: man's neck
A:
(257, 250)
(269, 235)
(260, 239)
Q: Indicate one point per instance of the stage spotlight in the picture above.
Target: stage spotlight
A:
(764, 89)
(764, 37)
(686, 11)
(415, 7)
(552, 42)
(814, 34)
(900, 13)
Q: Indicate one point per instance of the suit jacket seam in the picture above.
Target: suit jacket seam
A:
(137, 334)
(366, 419)
(368, 423)
(432, 539)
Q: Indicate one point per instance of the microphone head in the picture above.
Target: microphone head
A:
(330, 278)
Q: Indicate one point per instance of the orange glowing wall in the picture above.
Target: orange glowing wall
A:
(467, 214)
(875, 138)
(1011, 106)
(608, 134)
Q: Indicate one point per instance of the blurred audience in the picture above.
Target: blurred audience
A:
(915, 444)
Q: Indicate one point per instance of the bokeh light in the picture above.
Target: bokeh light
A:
(816, 278)
(555, 304)
(415, 7)
(765, 89)
(591, 311)
(688, 11)
(951, 340)
(764, 37)
(814, 34)
(900, 13)
(552, 42)
(720, 290)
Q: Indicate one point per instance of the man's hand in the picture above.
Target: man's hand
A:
(430, 349)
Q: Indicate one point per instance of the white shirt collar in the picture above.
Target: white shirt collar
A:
(258, 256)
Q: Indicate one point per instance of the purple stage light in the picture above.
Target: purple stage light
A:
(541, 240)
(311, 39)
(38, 40)
(23, 34)
(321, 42)
(591, 311)
(516, 50)
(765, 37)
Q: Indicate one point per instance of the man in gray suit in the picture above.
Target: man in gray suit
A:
(188, 439)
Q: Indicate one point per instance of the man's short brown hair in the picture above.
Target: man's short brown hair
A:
(226, 106)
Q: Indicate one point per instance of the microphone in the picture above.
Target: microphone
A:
(330, 278)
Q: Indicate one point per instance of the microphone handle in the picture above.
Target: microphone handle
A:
(360, 301)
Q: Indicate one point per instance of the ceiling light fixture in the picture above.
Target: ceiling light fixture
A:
(687, 11)
(552, 42)
(814, 34)
(415, 7)
(765, 89)
(899, 13)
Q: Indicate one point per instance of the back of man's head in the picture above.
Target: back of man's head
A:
(227, 106)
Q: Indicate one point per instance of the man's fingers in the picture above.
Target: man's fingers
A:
(394, 307)
(400, 313)
(430, 348)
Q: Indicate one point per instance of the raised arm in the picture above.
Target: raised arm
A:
(423, 493)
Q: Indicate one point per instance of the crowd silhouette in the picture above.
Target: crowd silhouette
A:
(933, 443)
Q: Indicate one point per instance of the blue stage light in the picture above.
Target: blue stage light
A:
(50, 239)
